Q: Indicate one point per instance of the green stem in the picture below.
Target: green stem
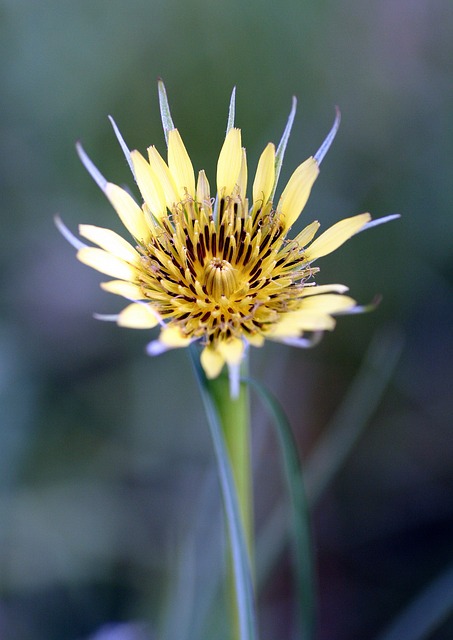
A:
(244, 611)
(234, 417)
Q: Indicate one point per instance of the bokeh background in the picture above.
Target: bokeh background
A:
(110, 518)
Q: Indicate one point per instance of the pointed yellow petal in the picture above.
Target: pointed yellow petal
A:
(137, 316)
(324, 288)
(242, 177)
(110, 241)
(212, 362)
(307, 234)
(149, 186)
(106, 263)
(229, 164)
(128, 210)
(231, 350)
(203, 191)
(121, 288)
(163, 176)
(265, 176)
(314, 314)
(297, 191)
(336, 236)
(180, 165)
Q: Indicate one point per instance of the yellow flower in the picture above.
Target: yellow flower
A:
(214, 267)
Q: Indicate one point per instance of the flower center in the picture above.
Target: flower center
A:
(220, 278)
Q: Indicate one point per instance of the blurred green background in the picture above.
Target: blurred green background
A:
(110, 518)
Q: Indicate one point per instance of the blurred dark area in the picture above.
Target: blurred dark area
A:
(110, 517)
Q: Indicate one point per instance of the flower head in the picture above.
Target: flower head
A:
(214, 266)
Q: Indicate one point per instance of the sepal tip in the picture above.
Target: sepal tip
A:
(67, 234)
(90, 167)
(324, 148)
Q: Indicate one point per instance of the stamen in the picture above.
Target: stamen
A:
(221, 237)
(255, 268)
(226, 248)
(206, 235)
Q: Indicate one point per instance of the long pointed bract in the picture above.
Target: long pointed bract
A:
(124, 147)
(324, 148)
(231, 110)
(68, 235)
(91, 168)
(280, 153)
(165, 113)
(378, 221)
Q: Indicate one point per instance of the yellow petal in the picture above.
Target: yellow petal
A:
(231, 350)
(137, 316)
(163, 177)
(212, 362)
(307, 234)
(203, 191)
(265, 176)
(314, 322)
(106, 263)
(128, 290)
(172, 337)
(324, 288)
(297, 191)
(336, 236)
(148, 184)
(128, 210)
(293, 324)
(242, 177)
(256, 339)
(314, 314)
(326, 303)
(110, 241)
(180, 165)
(229, 164)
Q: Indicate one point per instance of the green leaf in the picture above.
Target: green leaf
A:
(302, 539)
(339, 438)
(241, 566)
(354, 413)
